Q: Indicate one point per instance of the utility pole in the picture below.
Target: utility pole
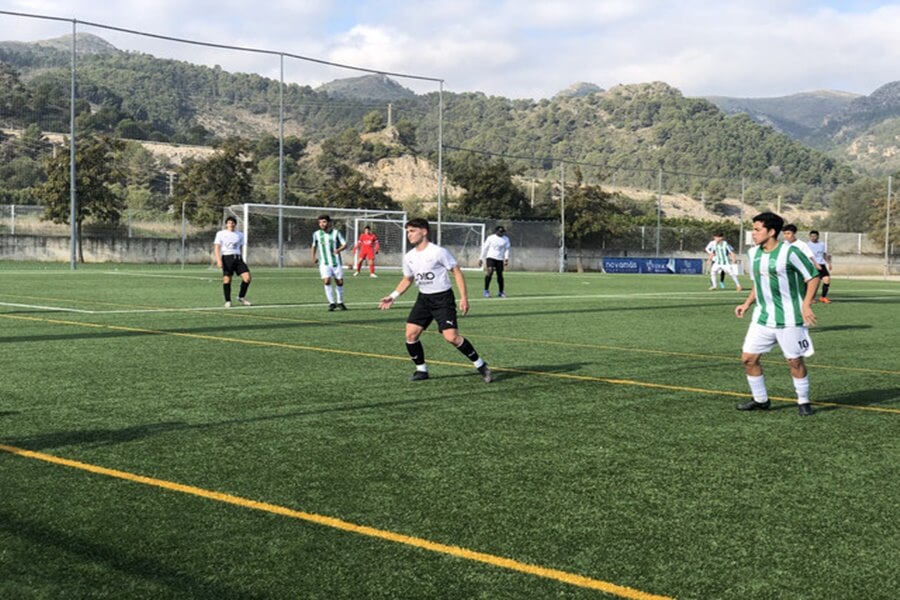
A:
(390, 115)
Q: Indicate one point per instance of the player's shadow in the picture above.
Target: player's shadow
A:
(102, 437)
(8, 413)
(532, 370)
(875, 397)
(116, 557)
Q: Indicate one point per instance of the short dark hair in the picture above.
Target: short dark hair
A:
(418, 223)
(770, 221)
(813, 232)
(325, 217)
(367, 227)
(790, 227)
(231, 218)
(718, 234)
(500, 229)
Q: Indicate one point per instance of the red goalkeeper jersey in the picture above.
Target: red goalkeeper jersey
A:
(367, 243)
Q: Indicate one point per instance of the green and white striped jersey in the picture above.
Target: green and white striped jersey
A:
(720, 251)
(779, 278)
(326, 243)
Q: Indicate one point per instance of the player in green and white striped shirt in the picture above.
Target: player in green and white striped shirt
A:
(721, 259)
(784, 284)
(329, 243)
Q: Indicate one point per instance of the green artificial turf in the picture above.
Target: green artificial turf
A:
(607, 447)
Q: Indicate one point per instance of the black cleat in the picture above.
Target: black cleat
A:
(754, 405)
(332, 306)
(805, 409)
(486, 373)
(341, 306)
(419, 376)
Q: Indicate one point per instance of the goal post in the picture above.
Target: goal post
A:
(464, 241)
(280, 234)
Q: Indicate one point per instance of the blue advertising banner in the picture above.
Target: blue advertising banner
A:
(681, 266)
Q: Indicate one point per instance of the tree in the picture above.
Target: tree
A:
(878, 216)
(590, 213)
(373, 121)
(96, 174)
(350, 189)
(490, 190)
(853, 205)
(208, 186)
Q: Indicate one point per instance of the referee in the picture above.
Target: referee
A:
(430, 266)
(228, 245)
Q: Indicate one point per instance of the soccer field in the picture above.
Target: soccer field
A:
(154, 444)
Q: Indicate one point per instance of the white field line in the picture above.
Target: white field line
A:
(492, 300)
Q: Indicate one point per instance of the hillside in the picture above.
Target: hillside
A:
(860, 131)
(624, 135)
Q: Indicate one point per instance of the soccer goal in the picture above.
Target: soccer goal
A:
(281, 235)
(463, 240)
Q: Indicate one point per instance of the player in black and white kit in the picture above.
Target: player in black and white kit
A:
(495, 256)
(429, 267)
(228, 245)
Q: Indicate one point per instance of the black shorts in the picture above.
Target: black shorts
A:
(494, 263)
(823, 271)
(440, 307)
(233, 263)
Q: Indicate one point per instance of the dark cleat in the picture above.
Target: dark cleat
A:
(341, 306)
(805, 409)
(754, 405)
(419, 376)
(331, 307)
(486, 373)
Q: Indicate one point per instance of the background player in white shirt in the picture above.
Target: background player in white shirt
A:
(790, 236)
(784, 283)
(820, 253)
(228, 246)
(721, 258)
(429, 266)
(495, 256)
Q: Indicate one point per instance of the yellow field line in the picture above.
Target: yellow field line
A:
(390, 536)
(344, 352)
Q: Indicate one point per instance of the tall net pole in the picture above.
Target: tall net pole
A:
(440, 194)
(73, 199)
(887, 232)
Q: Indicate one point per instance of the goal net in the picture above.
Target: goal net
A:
(281, 235)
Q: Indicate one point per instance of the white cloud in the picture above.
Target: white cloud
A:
(523, 49)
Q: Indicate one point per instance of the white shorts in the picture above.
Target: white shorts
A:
(717, 267)
(794, 341)
(328, 271)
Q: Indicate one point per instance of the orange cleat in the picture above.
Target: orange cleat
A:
(824, 300)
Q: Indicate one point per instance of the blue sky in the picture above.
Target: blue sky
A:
(518, 48)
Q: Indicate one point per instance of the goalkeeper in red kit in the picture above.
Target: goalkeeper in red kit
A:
(366, 247)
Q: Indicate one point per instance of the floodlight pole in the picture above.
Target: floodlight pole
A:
(887, 231)
(562, 218)
(440, 194)
(280, 166)
(741, 224)
(658, 208)
(73, 199)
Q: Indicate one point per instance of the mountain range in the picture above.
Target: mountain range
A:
(633, 128)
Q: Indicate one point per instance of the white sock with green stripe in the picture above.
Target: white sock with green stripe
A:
(801, 386)
(329, 294)
(758, 388)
